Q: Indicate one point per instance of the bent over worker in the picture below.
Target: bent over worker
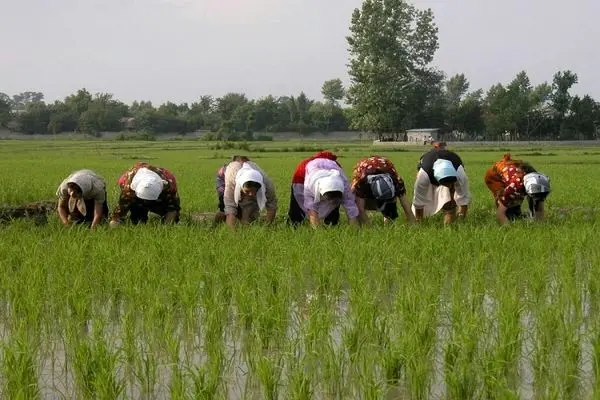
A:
(441, 185)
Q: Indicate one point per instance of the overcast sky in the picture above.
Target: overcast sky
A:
(177, 50)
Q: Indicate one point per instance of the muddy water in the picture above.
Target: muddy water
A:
(56, 377)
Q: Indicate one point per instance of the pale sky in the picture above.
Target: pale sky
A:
(178, 50)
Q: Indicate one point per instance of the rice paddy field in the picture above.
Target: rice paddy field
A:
(473, 311)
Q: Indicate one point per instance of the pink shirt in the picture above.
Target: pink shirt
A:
(324, 208)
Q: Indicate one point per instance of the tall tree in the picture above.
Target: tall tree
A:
(518, 104)
(5, 98)
(201, 114)
(5, 110)
(456, 87)
(35, 118)
(136, 106)
(302, 122)
(496, 116)
(581, 120)
(333, 91)
(454, 90)
(266, 112)
(227, 104)
(62, 118)
(470, 118)
(103, 114)
(21, 100)
(561, 98)
(79, 102)
(427, 106)
(169, 108)
(391, 45)
(540, 112)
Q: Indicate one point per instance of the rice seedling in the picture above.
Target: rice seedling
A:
(19, 371)
(192, 311)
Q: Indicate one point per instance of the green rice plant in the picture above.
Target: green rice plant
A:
(333, 372)
(19, 372)
(393, 365)
(558, 321)
(595, 342)
(268, 370)
(96, 365)
(207, 379)
(300, 387)
(463, 346)
(370, 384)
(503, 338)
(297, 373)
(178, 384)
(571, 335)
(190, 311)
(140, 360)
(318, 319)
(417, 336)
(366, 326)
(593, 332)
(145, 366)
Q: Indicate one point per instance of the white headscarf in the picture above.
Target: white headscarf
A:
(77, 203)
(536, 183)
(249, 174)
(82, 179)
(147, 184)
(325, 180)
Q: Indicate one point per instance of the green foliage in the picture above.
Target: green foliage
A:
(386, 97)
(474, 311)
(35, 118)
(333, 90)
(583, 120)
(391, 45)
(5, 110)
(141, 135)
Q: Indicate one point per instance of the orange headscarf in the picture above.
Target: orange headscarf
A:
(505, 180)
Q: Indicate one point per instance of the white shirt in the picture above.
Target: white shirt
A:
(432, 198)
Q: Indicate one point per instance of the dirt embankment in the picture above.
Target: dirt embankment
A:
(37, 211)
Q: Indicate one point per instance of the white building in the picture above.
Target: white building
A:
(422, 135)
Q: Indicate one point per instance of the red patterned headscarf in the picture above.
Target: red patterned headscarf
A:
(512, 175)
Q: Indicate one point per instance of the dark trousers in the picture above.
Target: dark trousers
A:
(389, 209)
(221, 203)
(222, 206)
(513, 213)
(90, 204)
(138, 212)
(296, 214)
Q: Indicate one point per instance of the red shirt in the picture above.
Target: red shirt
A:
(375, 165)
(167, 201)
(505, 180)
(300, 172)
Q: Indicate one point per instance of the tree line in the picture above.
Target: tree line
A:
(228, 117)
(393, 88)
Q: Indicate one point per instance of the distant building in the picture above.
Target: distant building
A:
(127, 123)
(422, 135)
